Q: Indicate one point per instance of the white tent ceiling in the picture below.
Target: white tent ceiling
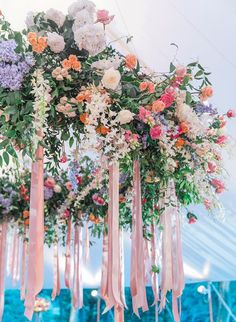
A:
(202, 30)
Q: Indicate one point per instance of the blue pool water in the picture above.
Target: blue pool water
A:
(194, 306)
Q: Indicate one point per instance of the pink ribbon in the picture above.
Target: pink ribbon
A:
(13, 254)
(36, 235)
(56, 273)
(3, 240)
(16, 268)
(77, 281)
(119, 314)
(23, 266)
(111, 287)
(172, 277)
(68, 255)
(137, 279)
(103, 288)
(86, 255)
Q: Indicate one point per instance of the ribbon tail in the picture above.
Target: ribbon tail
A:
(36, 235)
(154, 276)
(56, 273)
(3, 239)
(77, 280)
(68, 255)
(23, 266)
(86, 255)
(119, 314)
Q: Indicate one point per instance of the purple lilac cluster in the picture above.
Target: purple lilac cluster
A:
(13, 67)
(48, 193)
(201, 108)
(6, 201)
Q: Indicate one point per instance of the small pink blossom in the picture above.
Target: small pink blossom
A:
(50, 183)
(103, 17)
(181, 71)
(222, 121)
(218, 185)
(69, 185)
(207, 204)
(98, 200)
(211, 167)
(155, 132)
(63, 158)
(66, 214)
(192, 220)
(144, 114)
(231, 113)
(221, 139)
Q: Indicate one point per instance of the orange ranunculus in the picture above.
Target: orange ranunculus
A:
(92, 217)
(102, 130)
(25, 214)
(184, 127)
(84, 118)
(31, 36)
(180, 143)
(72, 59)
(76, 66)
(27, 222)
(66, 64)
(131, 61)
(143, 86)
(42, 41)
(158, 106)
(80, 97)
(122, 199)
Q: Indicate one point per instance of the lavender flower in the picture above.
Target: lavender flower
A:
(201, 108)
(144, 141)
(48, 193)
(7, 51)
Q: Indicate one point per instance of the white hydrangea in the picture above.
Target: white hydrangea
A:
(105, 64)
(79, 5)
(82, 18)
(91, 38)
(29, 21)
(55, 15)
(55, 42)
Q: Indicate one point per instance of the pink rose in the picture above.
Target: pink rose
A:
(221, 139)
(192, 220)
(218, 185)
(155, 132)
(98, 200)
(128, 134)
(69, 185)
(207, 204)
(181, 71)
(103, 17)
(143, 114)
(168, 99)
(222, 121)
(66, 214)
(50, 183)
(231, 113)
(211, 167)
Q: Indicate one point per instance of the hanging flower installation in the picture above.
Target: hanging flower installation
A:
(158, 139)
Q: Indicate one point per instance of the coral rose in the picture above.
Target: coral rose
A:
(131, 61)
(50, 182)
(158, 106)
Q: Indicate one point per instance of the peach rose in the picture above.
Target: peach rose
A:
(158, 106)
(131, 61)
(50, 182)
(69, 185)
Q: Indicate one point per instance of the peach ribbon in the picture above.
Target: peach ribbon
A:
(23, 266)
(137, 278)
(77, 281)
(36, 235)
(111, 284)
(86, 255)
(56, 272)
(172, 276)
(154, 276)
(3, 240)
(68, 255)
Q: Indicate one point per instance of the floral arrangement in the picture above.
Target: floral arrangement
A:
(65, 88)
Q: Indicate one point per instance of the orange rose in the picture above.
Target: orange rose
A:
(184, 127)
(32, 36)
(66, 64)
(73, 59)
(180, 143)
(102, 130)
(80, 97)
(76, 66)
(92, 217)
(158, 106)
(25, 214)
(206, 92)
(84, 118)
(26, 222)
(131, 61)
(143, 86)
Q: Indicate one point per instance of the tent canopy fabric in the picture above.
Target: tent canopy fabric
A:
(202, 30)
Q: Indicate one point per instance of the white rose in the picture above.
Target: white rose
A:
(55, 42)
(111, 78)
(55, 15)
(29, 21)
(91, 38)
(57, 188)
(79, 5)
(82, 18)
(125, 116)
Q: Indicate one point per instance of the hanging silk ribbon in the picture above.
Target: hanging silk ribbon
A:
(16, 268)
(68, 255)
(86, 255)
(172, 276)
(111, 278)
(77, 280)
(36, 235)
(103, 288)
(56, 272)
(119, 314)
(3, 240)
(23, 266)
(137, 278)
(13, 253)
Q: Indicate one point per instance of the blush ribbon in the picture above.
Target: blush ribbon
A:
(36, 234)
(3, 240)
(68, 255)
(56, 272)
(77, 280)
(23, 266)
(137, 278)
